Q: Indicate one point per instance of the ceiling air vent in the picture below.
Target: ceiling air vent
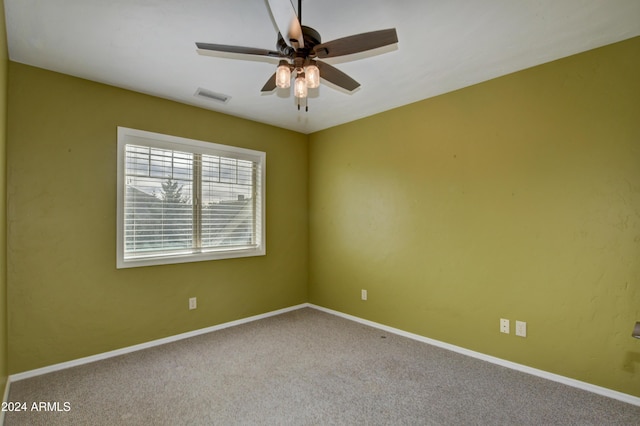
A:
(212, 96)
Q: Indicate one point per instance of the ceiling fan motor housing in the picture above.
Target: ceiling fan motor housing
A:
(311, 39)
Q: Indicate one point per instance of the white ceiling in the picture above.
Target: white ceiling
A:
(149, 46)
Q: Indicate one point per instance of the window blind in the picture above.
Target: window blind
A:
(189, 200)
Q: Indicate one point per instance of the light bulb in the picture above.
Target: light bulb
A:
(300, 86)
(283, 75)
(312, 74)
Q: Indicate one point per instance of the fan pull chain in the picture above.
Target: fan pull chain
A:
(306, 104)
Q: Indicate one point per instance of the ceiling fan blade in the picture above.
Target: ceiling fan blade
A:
(337, 77)
(270, 85)
(284, 14)
(238, 49)
(356, 43)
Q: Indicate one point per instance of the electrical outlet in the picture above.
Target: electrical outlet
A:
(363, 294)
(504, 325)
(521, 328)
(193, 303)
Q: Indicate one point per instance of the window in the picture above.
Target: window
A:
(182, 200)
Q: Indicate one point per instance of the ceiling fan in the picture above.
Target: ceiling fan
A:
(299, 48)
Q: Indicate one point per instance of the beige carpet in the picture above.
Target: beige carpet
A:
(306, 368)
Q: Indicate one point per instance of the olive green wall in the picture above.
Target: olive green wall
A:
(66, 298)
(3, 199)
(516, 198)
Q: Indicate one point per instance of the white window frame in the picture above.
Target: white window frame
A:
(128, 136)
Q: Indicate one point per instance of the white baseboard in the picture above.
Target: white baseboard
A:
(620, 396)
(630, 399)
(134, 348)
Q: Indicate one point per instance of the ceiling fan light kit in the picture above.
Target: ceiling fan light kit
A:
(300, 87)
(312, 73)
(283, 75)
(299, 46)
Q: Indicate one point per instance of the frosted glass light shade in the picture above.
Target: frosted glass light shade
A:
(300, 86)
(283, 76)
(312, 75)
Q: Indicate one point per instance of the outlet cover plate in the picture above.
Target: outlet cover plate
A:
(504, 326)
(193, 303)
(521, 328)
